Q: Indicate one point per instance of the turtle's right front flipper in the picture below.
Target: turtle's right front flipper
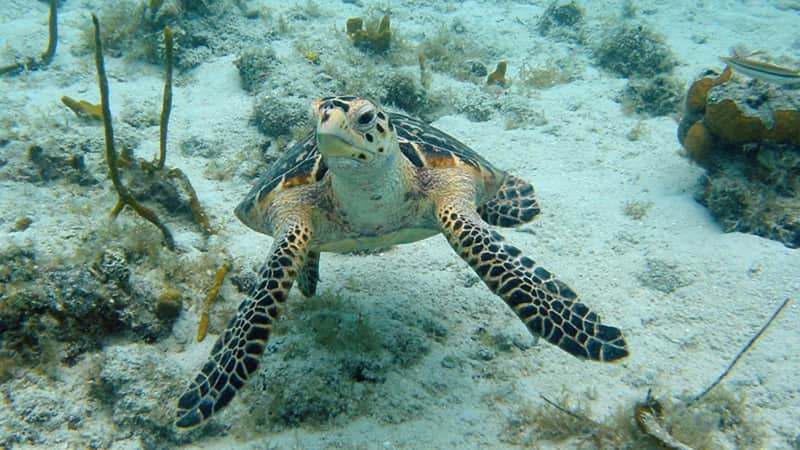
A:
(547, 306)
(237, 352)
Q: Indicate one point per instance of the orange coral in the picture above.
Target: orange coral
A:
(698, 142)
(725, 120)
(786, 129)
(498, 77)
(377, 39)
(696, 97)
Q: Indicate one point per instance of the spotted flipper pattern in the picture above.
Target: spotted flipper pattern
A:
(309, 275)
(547, 306)
(237, 352)
(513, 204)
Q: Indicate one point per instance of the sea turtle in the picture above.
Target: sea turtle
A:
(367, 178)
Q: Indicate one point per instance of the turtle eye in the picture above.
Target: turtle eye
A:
(366, 118)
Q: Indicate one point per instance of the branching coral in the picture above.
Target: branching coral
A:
(166, 107)
(49, 53)
(125, 196)
(156, 175)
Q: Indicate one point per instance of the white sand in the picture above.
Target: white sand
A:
(584, 168)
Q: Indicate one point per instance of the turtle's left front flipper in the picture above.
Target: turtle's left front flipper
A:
(547, 306)
(237, 352)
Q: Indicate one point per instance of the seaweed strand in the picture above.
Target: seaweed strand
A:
(166, 105)
(741, 353)
(219, 278)
(52, 41)
(49, 53)
(125, 197)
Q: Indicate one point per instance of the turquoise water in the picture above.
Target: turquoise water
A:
(675, 222)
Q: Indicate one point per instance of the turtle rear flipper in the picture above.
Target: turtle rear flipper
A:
(547, 306)
(237, 352)
(513, 204)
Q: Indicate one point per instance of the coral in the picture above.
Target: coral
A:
(311, 56)
(219, 278)
(400, 89)
(82, 108)
(22, 224)
(277, 116)
(152, 178)
(657, 96)
(124, 196)
(747, 137)
(166, 103)
(498, 77)
(740, 114)
(376, 38)
(255, 66)
(699, 142)
(698, 92)
(562, 20)
(46, 57)
(634, 51)
(169, 304)
(58, 163)
(70, 308)
(554, 72)
(424, 74)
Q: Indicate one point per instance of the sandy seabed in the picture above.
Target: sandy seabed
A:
(686, 294)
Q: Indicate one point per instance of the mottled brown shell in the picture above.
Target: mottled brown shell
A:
(422, 144)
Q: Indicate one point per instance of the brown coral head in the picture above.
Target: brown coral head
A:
(698, 142)
(354, 25)
(696, 97)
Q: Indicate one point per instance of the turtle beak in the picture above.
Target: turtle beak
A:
(334, 140)
(331, 145)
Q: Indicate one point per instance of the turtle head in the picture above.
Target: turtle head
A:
(353, 132)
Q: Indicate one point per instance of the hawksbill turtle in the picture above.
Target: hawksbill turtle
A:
(365, 179)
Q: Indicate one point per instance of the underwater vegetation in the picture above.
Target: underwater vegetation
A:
(46, 57)
(685, 422)
(656, 96)
(562, 21)
(335, 356)
(277, 116)
(255, 66)
(373, 37)
(650, 425)
(634, 51)
(746, 134)
(51, 314)
(170, 186)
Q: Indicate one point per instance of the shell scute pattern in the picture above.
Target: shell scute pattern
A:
(426, 146)
(302, 164)
(421, 144)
